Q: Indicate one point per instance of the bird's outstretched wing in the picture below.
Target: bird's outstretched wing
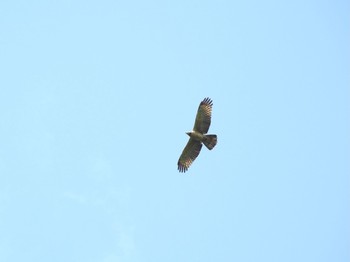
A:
(203, 116)
(189, 154)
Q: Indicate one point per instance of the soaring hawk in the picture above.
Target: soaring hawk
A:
(198, 136)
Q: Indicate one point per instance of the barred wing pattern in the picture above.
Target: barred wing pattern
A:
(203, 117)
(189, 154)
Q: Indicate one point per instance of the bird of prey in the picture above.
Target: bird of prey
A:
(198, 136)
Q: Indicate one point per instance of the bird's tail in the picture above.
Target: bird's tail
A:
(210, 141)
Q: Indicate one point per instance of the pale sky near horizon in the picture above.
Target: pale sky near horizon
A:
(95, 100)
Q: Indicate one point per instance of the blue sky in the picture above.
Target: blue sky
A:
(95, 100)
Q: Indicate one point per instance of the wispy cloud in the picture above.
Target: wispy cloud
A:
(112, 200)
(126, 242)
(125, 248)
(76, 197)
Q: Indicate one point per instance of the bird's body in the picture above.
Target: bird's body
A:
(208, 140)
(198, 136)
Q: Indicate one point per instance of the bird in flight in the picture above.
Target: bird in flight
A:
(198, 136)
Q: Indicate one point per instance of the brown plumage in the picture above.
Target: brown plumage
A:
(198, 136)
